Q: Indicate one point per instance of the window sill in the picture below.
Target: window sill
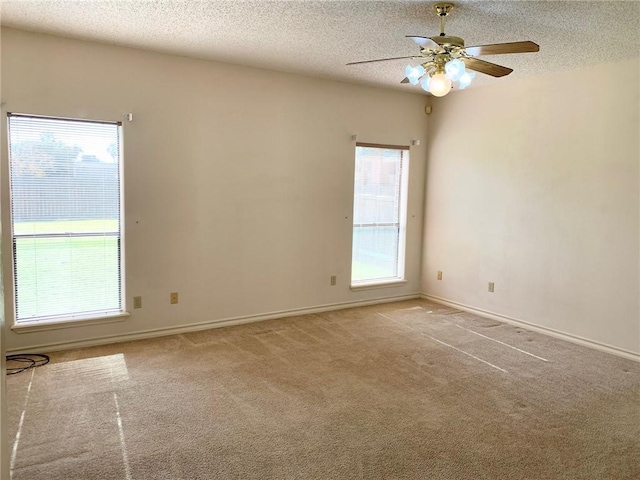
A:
(43, 325)
(382, 284)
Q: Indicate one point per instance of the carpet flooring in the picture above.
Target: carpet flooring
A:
(408, 390)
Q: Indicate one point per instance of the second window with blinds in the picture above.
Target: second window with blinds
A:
(379, 215)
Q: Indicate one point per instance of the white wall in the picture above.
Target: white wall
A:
(533, 185)
(238, 181)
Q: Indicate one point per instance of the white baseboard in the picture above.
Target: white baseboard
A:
(536, 328)
(194, 327)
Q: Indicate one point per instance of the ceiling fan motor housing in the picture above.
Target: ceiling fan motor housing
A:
(449, 41)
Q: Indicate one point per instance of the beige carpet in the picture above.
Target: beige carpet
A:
(408, 390)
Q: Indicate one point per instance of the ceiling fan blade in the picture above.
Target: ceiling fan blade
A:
(501, 48)
(424, 42)
(382, 60)
(487, 68)
(405, 80)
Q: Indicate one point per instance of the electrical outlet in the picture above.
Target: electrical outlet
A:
(333, 279)
(137, 302)
(491, 287)
(174, 297)
(439, 275)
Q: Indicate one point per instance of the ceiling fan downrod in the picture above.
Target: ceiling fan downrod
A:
(443, 9)
(444, 40)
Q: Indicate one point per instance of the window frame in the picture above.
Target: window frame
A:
(58, 321)
(403, 200)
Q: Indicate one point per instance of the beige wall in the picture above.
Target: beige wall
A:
(533, 185)
(238, 181)
(4, 435)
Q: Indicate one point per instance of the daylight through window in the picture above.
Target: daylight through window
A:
(379, 214)
(65, 218)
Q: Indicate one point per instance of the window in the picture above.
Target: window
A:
(379, 214)
(65, 218)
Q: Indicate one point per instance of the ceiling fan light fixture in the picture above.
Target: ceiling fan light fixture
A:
(413, 74)
(439, 85)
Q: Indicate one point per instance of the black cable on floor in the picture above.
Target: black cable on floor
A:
(29, 361)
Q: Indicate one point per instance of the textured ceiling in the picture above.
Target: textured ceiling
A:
(318, 38)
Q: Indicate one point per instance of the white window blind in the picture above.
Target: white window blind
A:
(379, 214)
(66, 218)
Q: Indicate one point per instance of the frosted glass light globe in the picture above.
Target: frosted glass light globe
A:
(413, 74)
(466, 78)
(439, 85)
(424, 83)
(454, 69)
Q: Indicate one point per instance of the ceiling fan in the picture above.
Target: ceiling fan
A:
(444, 59)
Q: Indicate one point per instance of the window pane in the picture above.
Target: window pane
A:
(56, 276)
(377, 224)
(63, 170)
(65, 207)
(377, 185)
(375, 251)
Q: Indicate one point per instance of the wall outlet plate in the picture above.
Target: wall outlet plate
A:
(137, 302)
(174, 297)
